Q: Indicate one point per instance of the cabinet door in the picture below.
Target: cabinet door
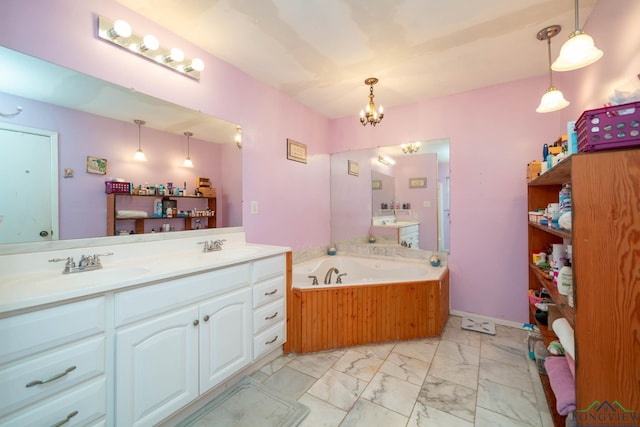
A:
(225, 337)
(156, 367)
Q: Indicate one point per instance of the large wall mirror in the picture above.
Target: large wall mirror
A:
(374, 191)
(91, 117)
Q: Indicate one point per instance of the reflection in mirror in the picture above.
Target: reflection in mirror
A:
(420, 194)
(93, 118)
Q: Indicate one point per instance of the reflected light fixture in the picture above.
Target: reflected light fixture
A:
(577, 52)
(139, 155)
(119, 33)
(238, 137)
(410, 147)
(370, 115)
(386, 160)
(187, 162)
(553, 99)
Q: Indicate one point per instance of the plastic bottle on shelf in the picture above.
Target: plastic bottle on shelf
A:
(565, 280)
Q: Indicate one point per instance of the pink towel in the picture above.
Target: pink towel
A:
(562, 384)
(572, 364)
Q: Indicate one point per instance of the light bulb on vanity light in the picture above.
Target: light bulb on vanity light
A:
(120, 29)
(149, 42)
(175, 54)
(196, 65)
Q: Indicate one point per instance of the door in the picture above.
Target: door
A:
(29, 175)
(156, 367)
(225, 337)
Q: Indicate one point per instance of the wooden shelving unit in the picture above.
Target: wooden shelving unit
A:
(117, 201)
(606, 270)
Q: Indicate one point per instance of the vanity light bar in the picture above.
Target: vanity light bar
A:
(119, 33)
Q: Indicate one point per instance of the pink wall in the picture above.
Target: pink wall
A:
(293, 198)
(493, 133)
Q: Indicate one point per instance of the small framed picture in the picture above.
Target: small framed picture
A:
(353, 168)
(96, 165)
(417, 182)
(376, 184)
(296, 151)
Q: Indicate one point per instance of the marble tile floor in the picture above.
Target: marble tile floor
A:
(460, 379)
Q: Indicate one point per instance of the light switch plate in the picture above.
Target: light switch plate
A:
(426, 204)
(254, 207)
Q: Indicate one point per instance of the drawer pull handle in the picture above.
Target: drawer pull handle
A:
(271, 293)
(66, 420)
(272, 341)
(272, 316)
(53, 378)
(206, 318)
(196, 322)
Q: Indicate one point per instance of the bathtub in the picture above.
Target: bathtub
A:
(378, 301)
(362, 271)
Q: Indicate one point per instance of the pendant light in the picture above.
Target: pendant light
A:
(553, 99)
(577, 52)
(187, 162)
(139, 155)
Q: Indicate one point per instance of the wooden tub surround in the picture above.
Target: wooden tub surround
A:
(343, 316)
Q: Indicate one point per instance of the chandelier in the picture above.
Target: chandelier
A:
(370, 115)
(410, 147)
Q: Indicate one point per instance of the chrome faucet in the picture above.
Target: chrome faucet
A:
(212, 246)
(86, 263)
(339, 279)
(327, 277)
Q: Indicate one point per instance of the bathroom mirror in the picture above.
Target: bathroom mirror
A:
(49, 89)
(419, 180)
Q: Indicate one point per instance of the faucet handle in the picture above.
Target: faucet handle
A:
(69, 260)
(339, 279)
(96, 257)
(315, 280)
(206, 246)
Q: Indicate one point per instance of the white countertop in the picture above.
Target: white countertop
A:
(398, 224)
(28, 280)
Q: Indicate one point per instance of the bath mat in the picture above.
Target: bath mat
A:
(483, 326)
(248, 404)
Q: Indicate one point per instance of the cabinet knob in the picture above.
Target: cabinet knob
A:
(206, 318)
(272, 316)
(196, 322)
(272, 340)
(271, 293)
(52, 378)
(66, 420)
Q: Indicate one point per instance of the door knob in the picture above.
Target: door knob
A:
(44, 233)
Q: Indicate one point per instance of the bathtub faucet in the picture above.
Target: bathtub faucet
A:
(327, 277)
(339, 279)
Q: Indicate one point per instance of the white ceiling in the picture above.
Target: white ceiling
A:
(321, 51)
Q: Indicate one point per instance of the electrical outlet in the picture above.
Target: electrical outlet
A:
(426, 204)
(254, 207)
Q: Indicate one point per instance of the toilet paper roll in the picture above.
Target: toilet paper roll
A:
(564, 331)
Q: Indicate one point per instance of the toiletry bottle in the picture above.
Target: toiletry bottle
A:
(565, 279)
(545, 151)
(159, 208)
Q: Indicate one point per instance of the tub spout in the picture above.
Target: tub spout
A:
(327, 277)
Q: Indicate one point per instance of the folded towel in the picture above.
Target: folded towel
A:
(564, 331)
(131, 214)
(572, 364)
(562, 384)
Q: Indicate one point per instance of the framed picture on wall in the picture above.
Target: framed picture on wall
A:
(296, 151)
(376, 184)
(96, 165)
(417, 182)
(353, 168)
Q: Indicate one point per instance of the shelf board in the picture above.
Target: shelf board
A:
(559, 174)
(560, 233)
(560, 300)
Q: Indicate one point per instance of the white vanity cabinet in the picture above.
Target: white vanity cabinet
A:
(269, 314)
(409, 235)
(177, 339)
(52, 366)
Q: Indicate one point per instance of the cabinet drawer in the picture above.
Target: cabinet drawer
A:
(43, 329)
(268, 267)
(268, 340)
(268, 315)
(84, 405)
(269, 290)
(58, 370)
(153, 299)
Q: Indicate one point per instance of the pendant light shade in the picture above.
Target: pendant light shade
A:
(139, 155)
(577, 52)
(553, 99)
(187, 162)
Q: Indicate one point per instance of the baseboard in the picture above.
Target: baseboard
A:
(502, 322)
